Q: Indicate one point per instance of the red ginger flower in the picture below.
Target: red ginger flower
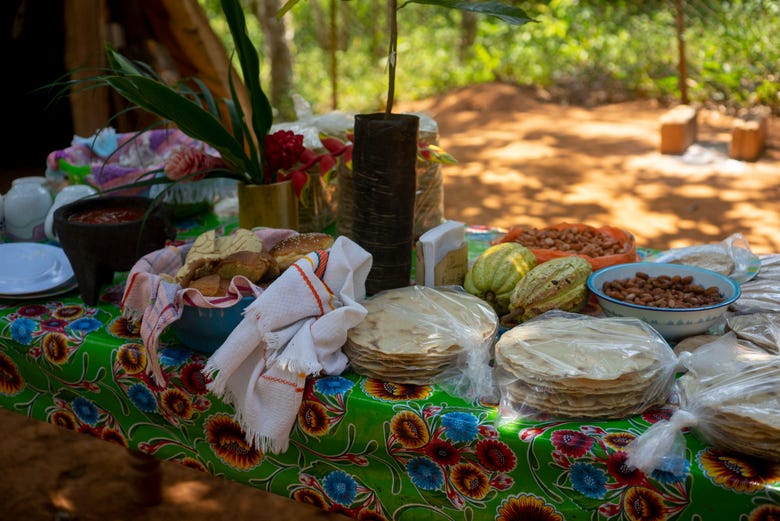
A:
(191, 163)
(283, 150)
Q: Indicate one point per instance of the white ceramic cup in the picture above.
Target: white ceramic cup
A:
(36, 179)
(67, 195)
(25, 209)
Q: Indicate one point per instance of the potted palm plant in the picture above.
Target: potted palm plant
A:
(271, 169)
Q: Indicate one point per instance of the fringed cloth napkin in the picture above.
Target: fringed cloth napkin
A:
(293, 329)
(148, 298)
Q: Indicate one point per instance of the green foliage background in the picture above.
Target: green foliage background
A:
(618, 48)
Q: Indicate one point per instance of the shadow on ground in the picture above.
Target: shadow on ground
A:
(528, 163)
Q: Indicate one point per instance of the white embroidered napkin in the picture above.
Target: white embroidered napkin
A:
(293, 329)
(149, 299)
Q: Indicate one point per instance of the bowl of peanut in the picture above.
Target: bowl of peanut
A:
(676, 300)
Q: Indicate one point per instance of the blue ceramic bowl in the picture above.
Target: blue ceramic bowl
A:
(672, 323)
(206, 329)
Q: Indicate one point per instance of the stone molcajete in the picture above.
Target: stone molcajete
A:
(102, 235)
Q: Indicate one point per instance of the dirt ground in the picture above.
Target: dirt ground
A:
(521, 162)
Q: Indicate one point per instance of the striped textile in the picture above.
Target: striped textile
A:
(295, 328)
(149, 298)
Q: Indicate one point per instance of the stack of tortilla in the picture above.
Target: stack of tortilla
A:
(577, 366)
(737, 402)
(414, 335)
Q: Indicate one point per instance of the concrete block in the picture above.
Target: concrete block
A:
(678, 129)
(748, 136)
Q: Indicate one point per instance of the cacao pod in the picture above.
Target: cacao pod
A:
(556, 284)
(496, 272)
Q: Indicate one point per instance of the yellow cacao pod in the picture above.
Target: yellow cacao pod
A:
(496, 272)
(556, 284)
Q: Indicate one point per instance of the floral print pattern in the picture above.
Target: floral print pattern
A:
(740, 473)
(368, 449)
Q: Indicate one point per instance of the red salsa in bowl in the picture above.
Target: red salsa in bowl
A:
(109, 215)
(102, 235)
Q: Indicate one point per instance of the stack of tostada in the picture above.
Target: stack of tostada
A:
(576, 366)
(419, 335)
(734, 392)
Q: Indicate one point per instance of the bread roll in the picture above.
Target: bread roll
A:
(208, 250)
(209, 285)
(252, 265)
(212, 262)
(289, 250)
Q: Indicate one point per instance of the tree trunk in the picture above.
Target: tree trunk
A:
(468, 34)
(333, 45)
(683, 64)
(278, 48)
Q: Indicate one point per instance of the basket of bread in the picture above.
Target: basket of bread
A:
(199, 290)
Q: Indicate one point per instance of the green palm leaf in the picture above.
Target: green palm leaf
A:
(262, 115)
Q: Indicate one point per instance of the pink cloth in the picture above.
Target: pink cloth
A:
(149, 298)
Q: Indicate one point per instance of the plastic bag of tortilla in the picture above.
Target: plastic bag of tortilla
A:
(728, 398)
(568, 365)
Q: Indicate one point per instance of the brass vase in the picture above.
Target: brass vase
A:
(271, 205)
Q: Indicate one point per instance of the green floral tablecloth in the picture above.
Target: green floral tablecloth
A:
(366, 448)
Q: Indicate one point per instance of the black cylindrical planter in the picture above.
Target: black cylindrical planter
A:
(383, 163)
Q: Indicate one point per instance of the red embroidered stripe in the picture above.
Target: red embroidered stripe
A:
(280, 381)
(311, 288)
(127, 290)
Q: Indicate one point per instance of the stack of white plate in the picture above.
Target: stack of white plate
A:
(30, 270)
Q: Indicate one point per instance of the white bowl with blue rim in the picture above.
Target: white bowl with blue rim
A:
(672, 323)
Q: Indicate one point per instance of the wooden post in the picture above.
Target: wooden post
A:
(85, 38)
(748, 136)
(678, 129)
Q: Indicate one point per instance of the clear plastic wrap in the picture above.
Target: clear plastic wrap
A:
(728, 397)
(761, 329)
(731, 257)
(420, 335)
(763, 292)
(567, 365)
